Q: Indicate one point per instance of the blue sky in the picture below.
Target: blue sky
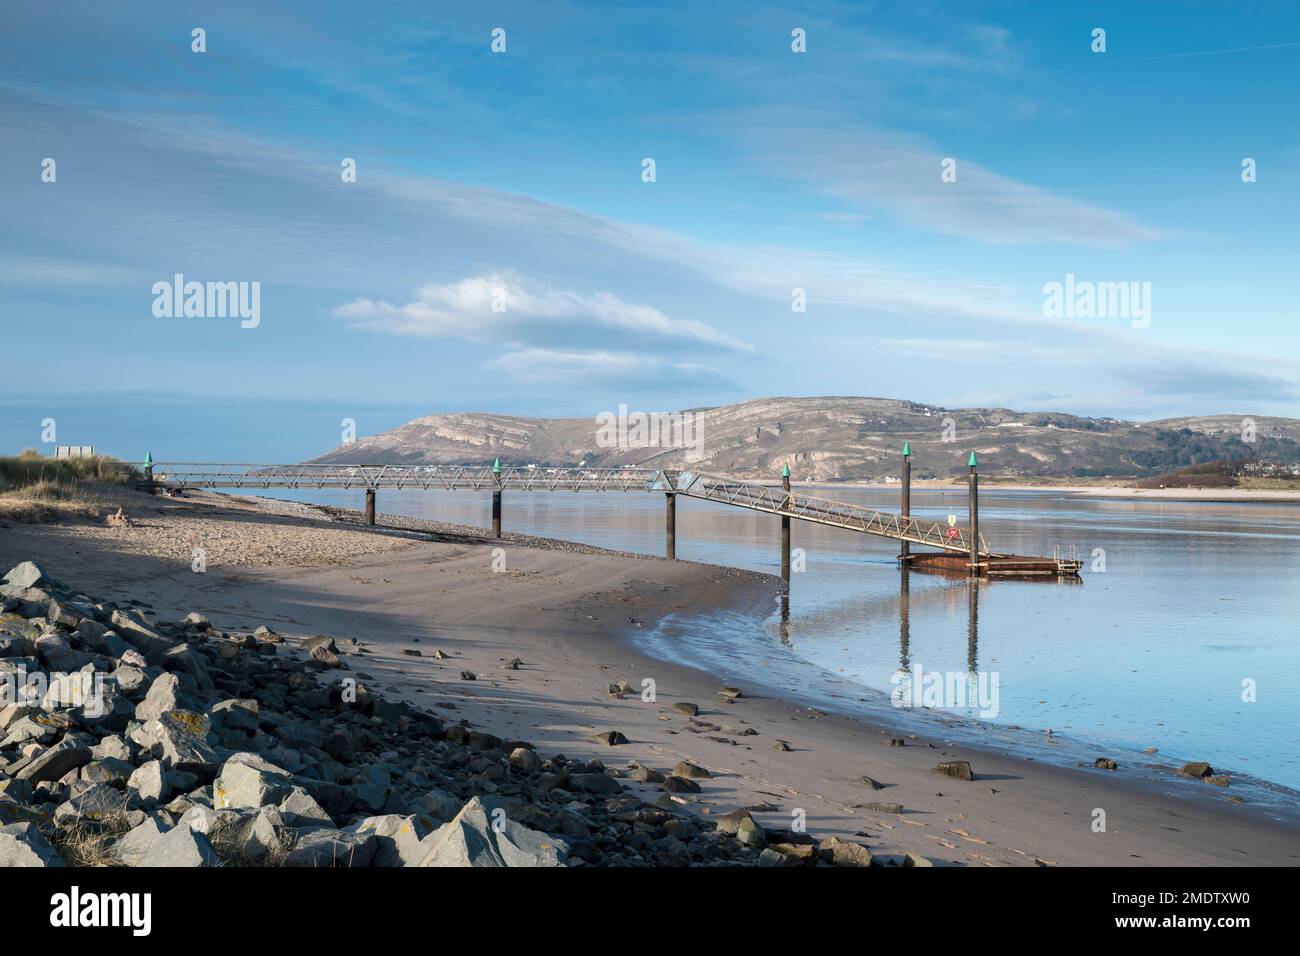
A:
(518, 175)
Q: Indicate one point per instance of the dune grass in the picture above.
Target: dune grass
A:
(35, 489)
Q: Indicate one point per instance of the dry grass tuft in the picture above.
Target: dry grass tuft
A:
(37, 490)
(89, 842)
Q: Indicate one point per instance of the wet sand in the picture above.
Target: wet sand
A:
(566, 613)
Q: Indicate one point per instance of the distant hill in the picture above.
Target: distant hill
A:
(830, 439)
(1226, 474)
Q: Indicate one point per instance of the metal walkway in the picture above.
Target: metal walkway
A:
(426, 477)
(837, 514)
(741, 494)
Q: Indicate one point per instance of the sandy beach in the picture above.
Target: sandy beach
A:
(566, 612)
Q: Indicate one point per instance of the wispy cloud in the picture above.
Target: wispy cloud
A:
(875, 171)
(499, 308)
(622, 369)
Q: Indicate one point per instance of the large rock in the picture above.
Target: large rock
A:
(148, 783)
(332, 848)
(140, 635)
(957, 769)
(26, 575)
(247, 780)
(398, 839)
(99, 805)
(54, 763)
(59, 655)
(482, 835)
(743, 827)
(164, 695)
(844, 853)
(300, 809)
(180, 847)
(261, 838)
(180, 742)
(110, 770)
(440, 804)
(21, 844)
(130, 849)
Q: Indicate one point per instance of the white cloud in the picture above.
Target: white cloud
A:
(497, 308)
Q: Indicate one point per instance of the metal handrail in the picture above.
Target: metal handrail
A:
(772, 500)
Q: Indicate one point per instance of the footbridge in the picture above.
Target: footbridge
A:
(956, 547)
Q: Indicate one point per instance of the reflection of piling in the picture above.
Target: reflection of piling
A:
(973, 509)
(670, 526)
(905, 623)
(907, 497)
(496, 498)
(785, 525)
(972, 625)
(370, 506)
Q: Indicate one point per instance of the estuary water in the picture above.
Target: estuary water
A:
(1179, 637)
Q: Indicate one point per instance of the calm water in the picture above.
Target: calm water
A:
(1194, 599)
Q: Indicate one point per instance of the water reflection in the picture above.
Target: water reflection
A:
(905, 621)
(972, 625)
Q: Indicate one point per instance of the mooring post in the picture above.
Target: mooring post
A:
(670, 526)
(973, 507)
(496, 498)
(370, 506)
(785, 525)
(906, 550)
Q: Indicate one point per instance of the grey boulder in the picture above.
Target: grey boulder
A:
(482, 835)
(22, 845)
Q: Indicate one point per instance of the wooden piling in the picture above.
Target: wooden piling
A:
(785, 525)
(973, 510)
(370, 506)
(496, 498)
(670, 526)
(906, 549)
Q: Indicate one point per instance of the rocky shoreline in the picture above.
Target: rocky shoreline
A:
(129, 741)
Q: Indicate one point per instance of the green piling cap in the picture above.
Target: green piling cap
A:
(972, 461)
(496, 467)
(148, 459)
(785, 471)
(907, 449)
